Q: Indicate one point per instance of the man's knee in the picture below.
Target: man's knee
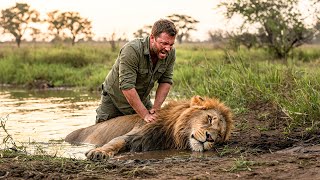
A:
(106, 109)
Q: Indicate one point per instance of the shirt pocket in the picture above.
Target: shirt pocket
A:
(159, 73)
(143, 75)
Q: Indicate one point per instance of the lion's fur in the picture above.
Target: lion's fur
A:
(101, 133)
(170, 131)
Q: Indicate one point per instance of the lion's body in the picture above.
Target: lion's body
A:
(101, 133)
(194, 124)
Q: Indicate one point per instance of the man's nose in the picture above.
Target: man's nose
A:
(167, 48)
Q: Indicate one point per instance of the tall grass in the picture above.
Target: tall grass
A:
(79, 66)
(238, 78)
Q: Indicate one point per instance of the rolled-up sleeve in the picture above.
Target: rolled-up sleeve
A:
(167, 76)
(128, 68)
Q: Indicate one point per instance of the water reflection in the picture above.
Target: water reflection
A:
(44, 118)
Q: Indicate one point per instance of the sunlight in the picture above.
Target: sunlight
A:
(126, 16)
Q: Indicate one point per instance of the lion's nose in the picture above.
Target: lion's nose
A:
(209, 137)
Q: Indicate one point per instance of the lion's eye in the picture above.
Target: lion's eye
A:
(209, 119)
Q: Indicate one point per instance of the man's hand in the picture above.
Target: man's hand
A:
(152, 111)
(151, 116)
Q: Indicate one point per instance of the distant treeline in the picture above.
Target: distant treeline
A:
(278, 26)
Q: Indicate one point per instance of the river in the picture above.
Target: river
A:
(39, 120)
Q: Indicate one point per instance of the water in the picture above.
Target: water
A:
(40, 120)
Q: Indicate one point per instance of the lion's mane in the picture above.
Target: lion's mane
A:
(172, 129)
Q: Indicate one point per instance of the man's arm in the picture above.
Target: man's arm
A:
(135, 102)
(161, 94)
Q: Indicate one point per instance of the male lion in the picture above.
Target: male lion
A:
(194, 124)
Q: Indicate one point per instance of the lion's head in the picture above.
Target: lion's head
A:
(195, 124)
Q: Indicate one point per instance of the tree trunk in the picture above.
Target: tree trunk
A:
(18, 41)
(73, 40)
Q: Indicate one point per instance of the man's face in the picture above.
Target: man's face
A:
(162, 44)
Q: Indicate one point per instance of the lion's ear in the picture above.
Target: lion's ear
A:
(199, 107)
(197, 101)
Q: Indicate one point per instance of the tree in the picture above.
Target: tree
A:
(68, 24)
(143, 32)
(37, 35)
(280, 20)
(247, 39)
(317, 26)
(78, 27)
(216, 36)
(16, 20)
(56, 23)
(184, 24)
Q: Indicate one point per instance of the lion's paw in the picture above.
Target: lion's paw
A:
(98, 154)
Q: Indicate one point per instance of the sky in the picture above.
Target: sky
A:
(127, 16)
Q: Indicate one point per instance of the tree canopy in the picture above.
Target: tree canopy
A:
(69, 24)
(16, 20)
(143, 32)
(184, 24)
(281, 23)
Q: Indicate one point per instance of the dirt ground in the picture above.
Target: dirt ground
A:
(258, 149)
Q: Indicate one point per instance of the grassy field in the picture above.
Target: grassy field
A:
(80, 66)
(238, 78)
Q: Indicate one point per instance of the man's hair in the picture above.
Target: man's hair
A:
(163, 25)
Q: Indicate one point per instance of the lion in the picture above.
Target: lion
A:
(195, 124)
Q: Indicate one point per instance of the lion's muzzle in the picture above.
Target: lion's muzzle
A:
(209, 137)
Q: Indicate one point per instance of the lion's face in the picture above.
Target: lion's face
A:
(207, 127)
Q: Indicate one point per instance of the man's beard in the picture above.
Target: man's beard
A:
(159, 53)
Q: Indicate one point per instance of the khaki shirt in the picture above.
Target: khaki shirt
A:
(134, 69)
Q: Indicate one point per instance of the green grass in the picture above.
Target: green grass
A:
(237, 78)
(241, 164)
(80, 66)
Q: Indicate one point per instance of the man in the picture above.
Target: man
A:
(140, 63)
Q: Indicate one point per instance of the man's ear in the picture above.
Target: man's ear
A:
(152, 37)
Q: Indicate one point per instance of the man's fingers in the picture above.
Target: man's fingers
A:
(150, 118)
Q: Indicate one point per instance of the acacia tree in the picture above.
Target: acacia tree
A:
(317, 26)
(56, 23)
(16, 20)
(143, 32)
(69, 24)
(280, 20)
(184, 24)
(80, 28)
(216, 36)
